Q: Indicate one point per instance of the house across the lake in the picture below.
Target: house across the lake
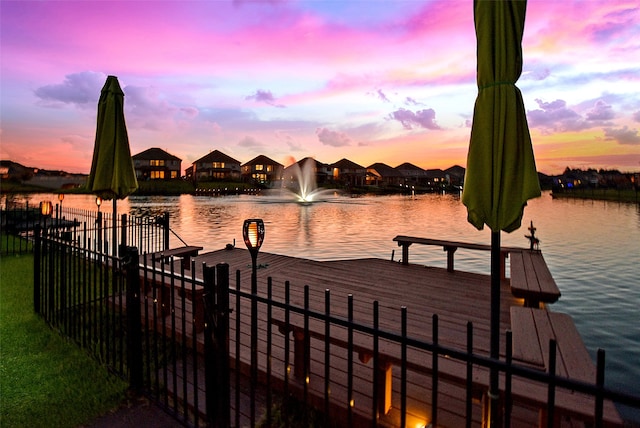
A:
(412, 174)
(156, 164)
(381, 174)
(214, 166)
(262, 170)
(349, 173)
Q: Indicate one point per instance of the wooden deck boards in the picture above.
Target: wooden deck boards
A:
(456, 297)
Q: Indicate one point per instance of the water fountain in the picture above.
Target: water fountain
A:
(301, 181)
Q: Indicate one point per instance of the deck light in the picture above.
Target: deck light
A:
(253, 234)
(59, 207)
(46, 208)
(99, 224)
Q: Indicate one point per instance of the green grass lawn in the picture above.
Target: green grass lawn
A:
(45, 379)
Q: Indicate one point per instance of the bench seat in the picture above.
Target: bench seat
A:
(450, 247)
(532, 329)
(185, 253)
(531, 279)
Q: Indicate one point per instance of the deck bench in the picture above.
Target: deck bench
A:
(450, 247)
(531, 279)
(532, 329)
(184, 253)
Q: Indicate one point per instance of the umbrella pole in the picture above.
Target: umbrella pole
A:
(494, 393)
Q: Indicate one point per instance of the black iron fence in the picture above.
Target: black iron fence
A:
(114, 308)
(213, 352)
(95, 230)
(17, 221)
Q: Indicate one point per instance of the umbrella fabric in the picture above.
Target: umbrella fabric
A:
(501, 173)
(112, 174)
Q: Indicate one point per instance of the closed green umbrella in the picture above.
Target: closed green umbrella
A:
(112, 174)
(501, 173)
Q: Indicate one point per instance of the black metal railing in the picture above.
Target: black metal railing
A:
(80, 292)
(213, 353)
(17, 221)
(102, 232)
(118, 310)
(95, 230)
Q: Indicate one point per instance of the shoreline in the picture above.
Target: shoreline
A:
(613, 195)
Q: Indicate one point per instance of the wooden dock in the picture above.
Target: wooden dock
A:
(457, 297)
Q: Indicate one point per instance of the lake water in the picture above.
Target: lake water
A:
(591, 247)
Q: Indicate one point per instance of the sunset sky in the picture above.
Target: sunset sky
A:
(369, 80)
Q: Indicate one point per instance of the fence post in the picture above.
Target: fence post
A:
(600, 386)
(222, 338)
(551, 386)
(217, 379)
(134, 324)
(49, 250)
(36, 268)
(123, 235)
(99, 230)
(62, 255)
(208, 277)
(165, 224)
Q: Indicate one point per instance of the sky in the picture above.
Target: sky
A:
(369, 80)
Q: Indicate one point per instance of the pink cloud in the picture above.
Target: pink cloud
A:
(81, 89)
(623, 135)
(555, 116)
(266, 97)
(601, 111)
(422, 118)
(442, 17)
(332, 138)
